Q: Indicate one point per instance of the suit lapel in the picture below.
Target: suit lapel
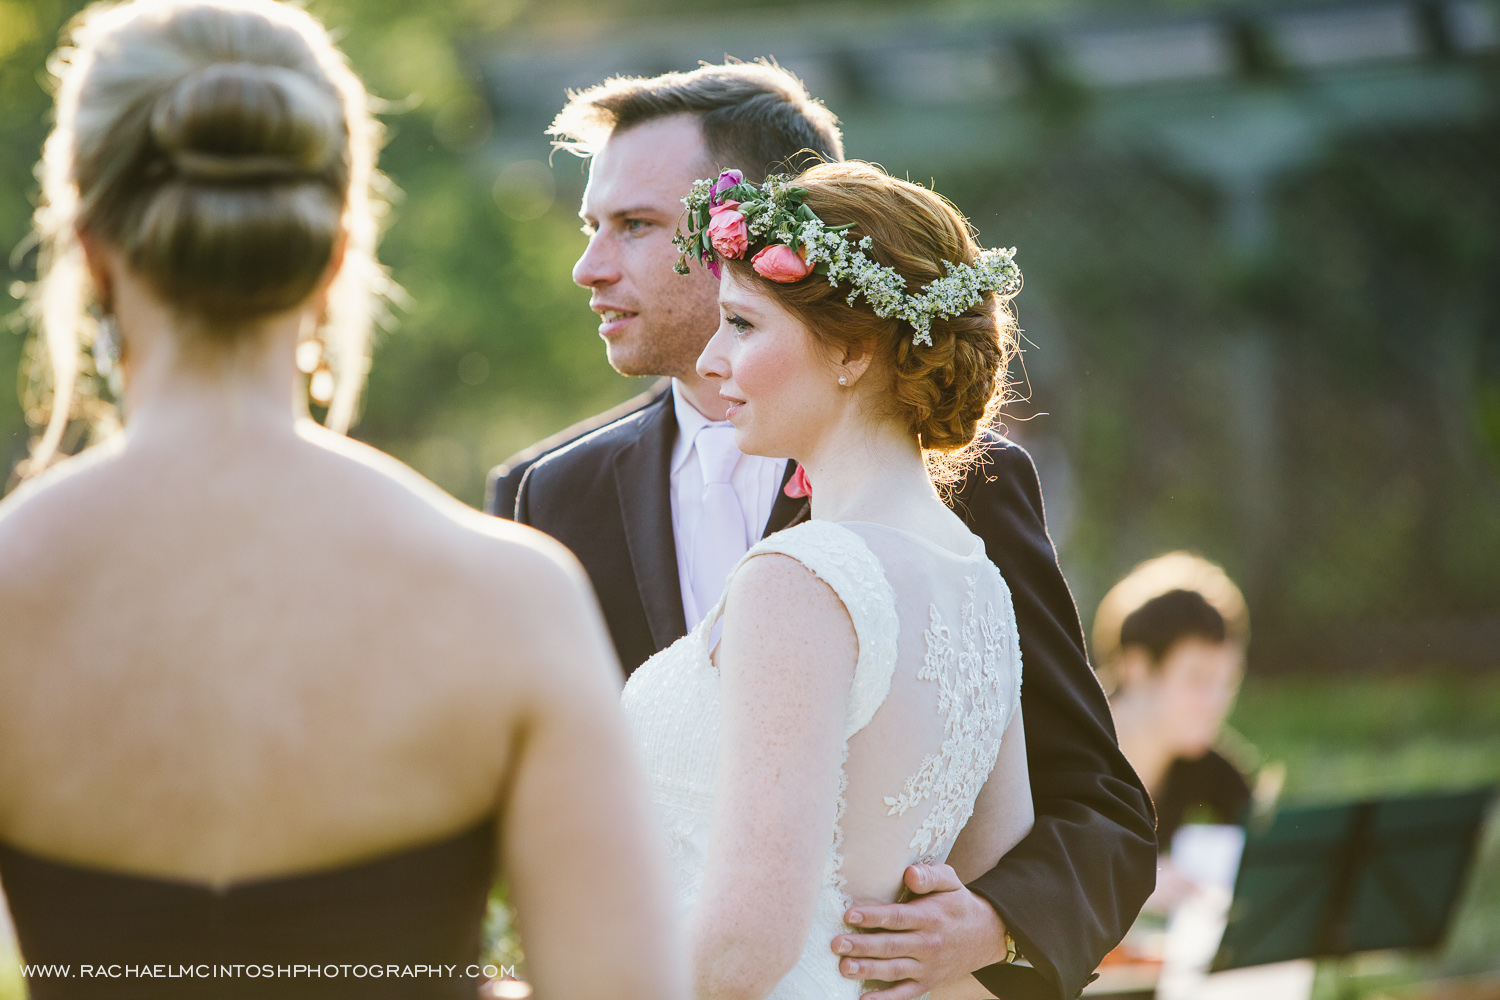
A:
(786, 511)
(643, 472)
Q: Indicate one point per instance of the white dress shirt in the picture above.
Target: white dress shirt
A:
(756, 480)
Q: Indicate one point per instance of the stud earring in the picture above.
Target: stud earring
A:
(843, 380)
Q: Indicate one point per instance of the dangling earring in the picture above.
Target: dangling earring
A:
(843, 380)
(106, 351)
(106, 345)
(312, 360)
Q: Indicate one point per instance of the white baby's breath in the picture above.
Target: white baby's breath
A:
(773, 215)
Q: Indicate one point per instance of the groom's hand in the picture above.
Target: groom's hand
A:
(942, 935)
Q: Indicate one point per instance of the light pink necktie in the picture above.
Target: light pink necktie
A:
(722, 537)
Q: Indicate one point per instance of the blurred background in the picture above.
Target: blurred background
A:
(1262, 308)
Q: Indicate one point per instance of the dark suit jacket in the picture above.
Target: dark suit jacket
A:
(1072, 887)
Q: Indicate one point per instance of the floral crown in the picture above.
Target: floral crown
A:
(727, 216)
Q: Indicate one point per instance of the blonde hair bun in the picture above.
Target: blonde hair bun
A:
(250, 207)
(242, 121)
(225, 148)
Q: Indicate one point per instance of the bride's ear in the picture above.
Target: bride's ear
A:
(854, 363)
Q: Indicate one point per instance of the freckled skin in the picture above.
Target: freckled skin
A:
(763, 356)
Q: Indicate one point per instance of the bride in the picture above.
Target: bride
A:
(851, 705)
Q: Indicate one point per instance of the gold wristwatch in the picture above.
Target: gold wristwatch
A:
(1011, 954)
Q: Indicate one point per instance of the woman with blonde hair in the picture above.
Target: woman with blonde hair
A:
(271, 705)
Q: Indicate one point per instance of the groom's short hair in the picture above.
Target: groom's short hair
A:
(755, 116)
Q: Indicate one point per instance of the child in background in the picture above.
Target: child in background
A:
(1170, 642)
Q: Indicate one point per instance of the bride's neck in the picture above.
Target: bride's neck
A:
(864, 470)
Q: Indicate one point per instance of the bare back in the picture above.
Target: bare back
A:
(263, 659)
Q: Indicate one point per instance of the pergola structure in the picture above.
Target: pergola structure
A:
(1236, 95)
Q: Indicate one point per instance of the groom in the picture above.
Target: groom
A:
(627, 493)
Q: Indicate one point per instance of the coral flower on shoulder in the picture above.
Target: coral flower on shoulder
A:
(727, 230)
(780, 262)
(798, 486)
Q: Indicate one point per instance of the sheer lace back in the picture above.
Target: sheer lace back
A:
(914, 772)
(936, 683)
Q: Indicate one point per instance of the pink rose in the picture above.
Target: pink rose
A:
(727, 230)
(798, 487)
(780, 262)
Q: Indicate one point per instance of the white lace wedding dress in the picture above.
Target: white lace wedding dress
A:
(936, 682)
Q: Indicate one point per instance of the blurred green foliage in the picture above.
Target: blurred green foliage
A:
(1322, 417)
(496, 347)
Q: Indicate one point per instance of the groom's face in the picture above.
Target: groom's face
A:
(653, 320)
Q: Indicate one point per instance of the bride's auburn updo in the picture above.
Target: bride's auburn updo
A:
(946, 392)
(223, 148)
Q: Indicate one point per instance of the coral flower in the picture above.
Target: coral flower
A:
(798, 487)
(727, 230)
(780, 262)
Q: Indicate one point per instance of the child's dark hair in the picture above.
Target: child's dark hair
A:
(1164, 621)
(1164, 600)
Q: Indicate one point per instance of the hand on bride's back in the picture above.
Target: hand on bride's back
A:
(930, 943)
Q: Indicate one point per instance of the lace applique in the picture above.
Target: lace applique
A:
(973, 703)
(833, 874)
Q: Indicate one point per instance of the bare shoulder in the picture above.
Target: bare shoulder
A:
(518, 606)
(486, 551)
(775, 579)
(66, 502)
(775, 601)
